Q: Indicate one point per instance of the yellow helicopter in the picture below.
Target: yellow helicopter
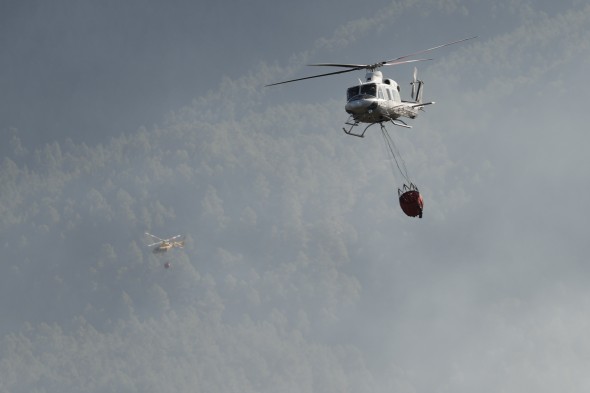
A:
(163, 245)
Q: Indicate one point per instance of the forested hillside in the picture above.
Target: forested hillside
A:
(267, 215)
(300, 272)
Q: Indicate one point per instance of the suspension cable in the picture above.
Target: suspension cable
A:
(389, 154)
(394, 152)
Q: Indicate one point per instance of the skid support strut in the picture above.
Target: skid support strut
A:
(355, 123)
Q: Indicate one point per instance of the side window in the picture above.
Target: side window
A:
(380, 92)
(389, 94)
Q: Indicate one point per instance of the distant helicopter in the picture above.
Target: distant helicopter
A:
(163, 245)
(377, 100)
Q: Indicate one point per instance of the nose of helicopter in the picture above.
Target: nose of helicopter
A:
(360, 106)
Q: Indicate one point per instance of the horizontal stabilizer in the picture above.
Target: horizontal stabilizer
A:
(422, 104)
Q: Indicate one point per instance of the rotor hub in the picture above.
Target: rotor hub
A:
(374, 76)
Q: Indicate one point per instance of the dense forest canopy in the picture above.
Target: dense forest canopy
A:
(265, 219)
(300, 272)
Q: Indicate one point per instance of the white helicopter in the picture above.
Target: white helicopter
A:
(377, 99)
(163, 245)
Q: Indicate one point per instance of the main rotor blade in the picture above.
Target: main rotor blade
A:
(429, 49)
(155, 237)
(315, 76)
(357, 66)
(391, 63)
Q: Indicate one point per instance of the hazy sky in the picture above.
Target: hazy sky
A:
(488, 291)
(86, 69)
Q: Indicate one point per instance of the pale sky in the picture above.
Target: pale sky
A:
(301, 272)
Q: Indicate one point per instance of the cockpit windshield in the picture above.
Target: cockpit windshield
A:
(363, 91)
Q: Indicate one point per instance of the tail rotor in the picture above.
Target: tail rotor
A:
(416, 87)
(413, 83)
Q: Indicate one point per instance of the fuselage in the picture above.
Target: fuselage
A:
(166, 245)
(377, 100)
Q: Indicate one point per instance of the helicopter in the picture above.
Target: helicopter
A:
(163, 245)
(377, 100)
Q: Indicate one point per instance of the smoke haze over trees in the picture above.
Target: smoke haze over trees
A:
(300, 273)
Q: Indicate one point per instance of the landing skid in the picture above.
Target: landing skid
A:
(354, 123)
